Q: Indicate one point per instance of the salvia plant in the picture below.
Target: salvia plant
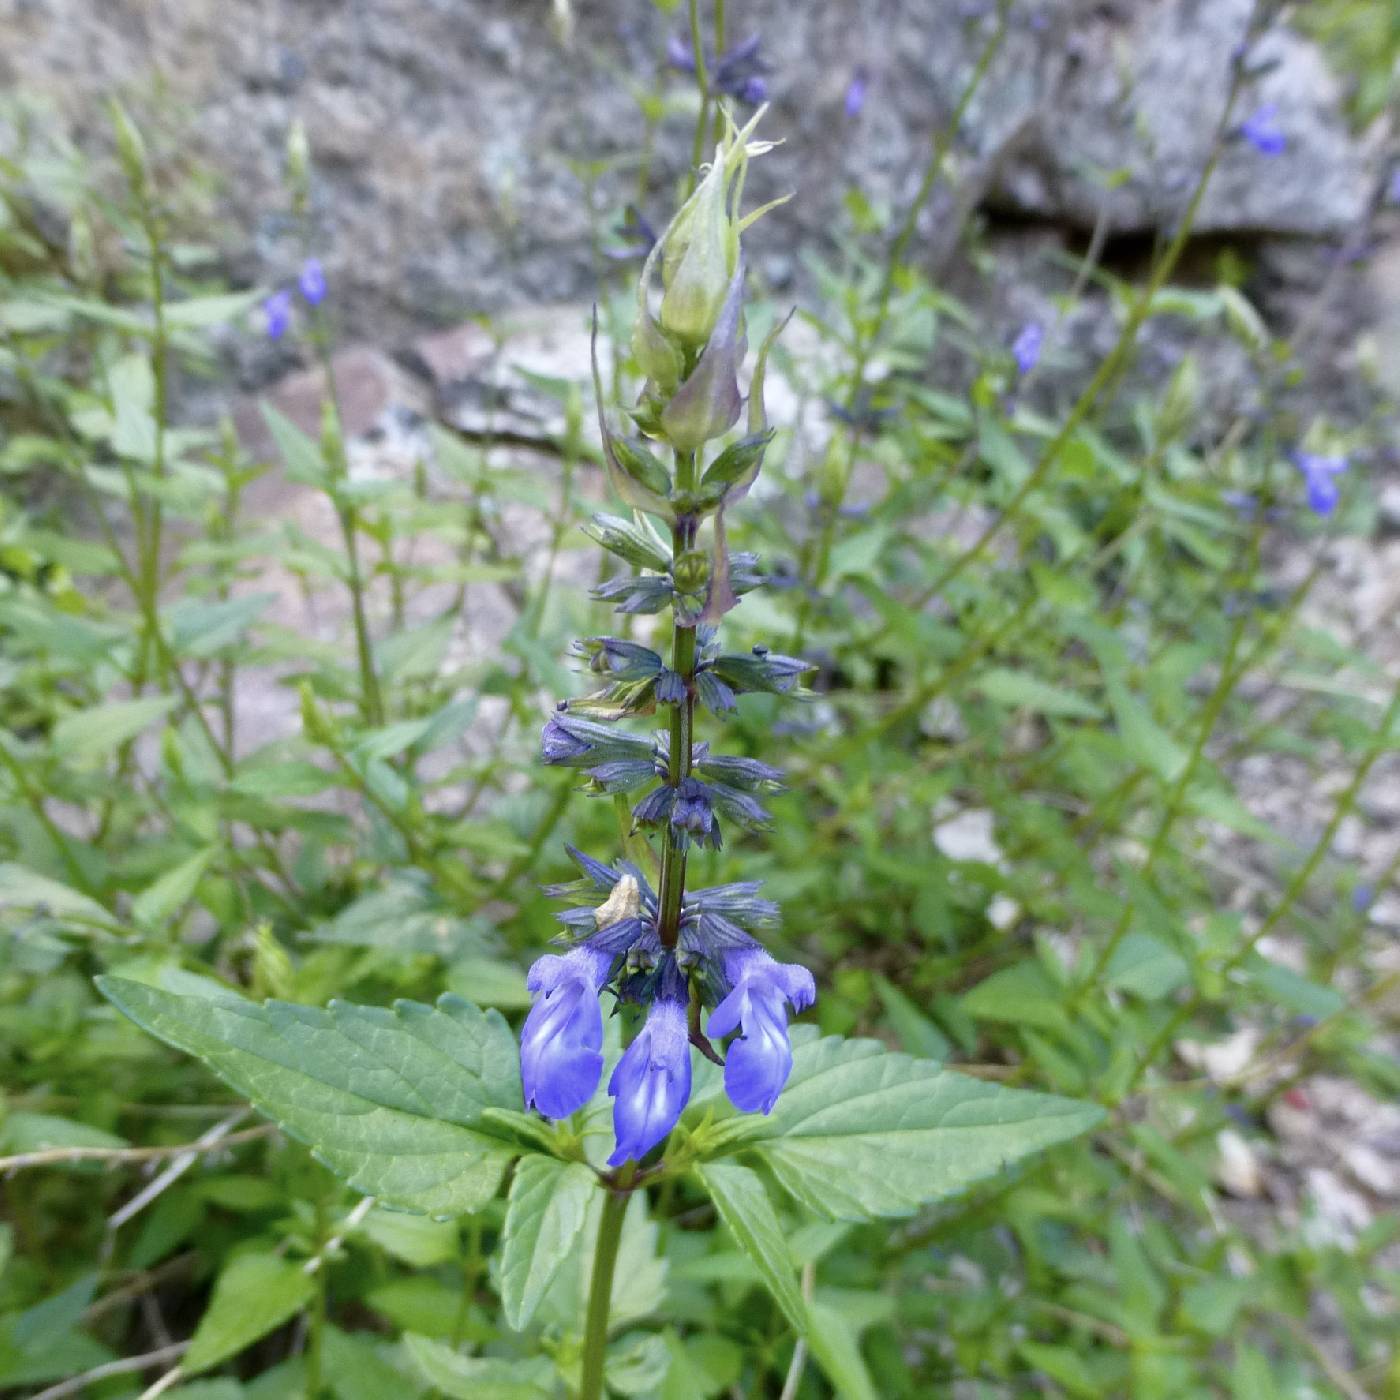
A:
(424, 1108)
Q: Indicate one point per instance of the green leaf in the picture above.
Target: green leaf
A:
(1146, 967)
(160, 900)
(96, 732)
(1146, 742)
(23, 888)
(636, 1365)
(1022, 995)
(358, 1368)
(216, 310)
(545, 1216)
(22, 1131)
(254, 1294)
(201, 629)
(860, 1131)
(742, 1201)
(391, 1100)
(1019, 689)
(479, 1377)
(837, 1349)
(301, 455)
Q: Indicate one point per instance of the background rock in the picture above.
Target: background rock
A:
(450, 136)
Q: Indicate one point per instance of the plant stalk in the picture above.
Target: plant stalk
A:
(595, 1330)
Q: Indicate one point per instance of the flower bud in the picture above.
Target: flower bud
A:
(698, 255)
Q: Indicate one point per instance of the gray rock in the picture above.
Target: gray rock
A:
(450, 137)
(1140, 99)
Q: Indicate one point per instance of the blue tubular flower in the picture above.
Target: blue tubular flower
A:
(561, 1045)
(277, 314)
(759, 1061)
(1262, 132)
(1320, 476)
(1026, 348)
(856, 91)
(312, 282)
(651, 1084)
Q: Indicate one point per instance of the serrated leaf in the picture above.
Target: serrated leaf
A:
(546, 1214)
(254, 1294)
(479, 1377)
(860, 1131)
(93, 733)
(742, 1201)
(391, 1100)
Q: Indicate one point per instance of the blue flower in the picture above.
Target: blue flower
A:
(856, 91)
(651, 1084)
(1261, 130)
(312, 282)
(561, 1044)
(277, 314)
(759, 1061)
(1320, 476)
(1026, 348)
(738, 72)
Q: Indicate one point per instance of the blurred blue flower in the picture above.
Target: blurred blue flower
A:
(738, 72)
(1027, 346)
(561, 1044)
(856, 91)
(759, 1061)
(651, 1083)
(638, 236)
(1262, 132)
(1362, 898)
(277, 314)
(1320, 476)
(312, 282)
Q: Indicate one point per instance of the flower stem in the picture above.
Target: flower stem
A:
(682, 739)
(595, 1329)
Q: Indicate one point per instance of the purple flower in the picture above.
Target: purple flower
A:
(561, 1044)
(1362, 897)
(1262, 132)
(638, 236)
(1320, 476)
(651, 1084)
(759, 1061)
(738, 72)
(679, 54)
(856, 91)
(312, 282)
(1393, 189)
(277, 314)
(1026, 348)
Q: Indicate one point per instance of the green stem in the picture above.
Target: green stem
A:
(702, 82)
(673, 855)
(347, 516)
(595, 1330)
